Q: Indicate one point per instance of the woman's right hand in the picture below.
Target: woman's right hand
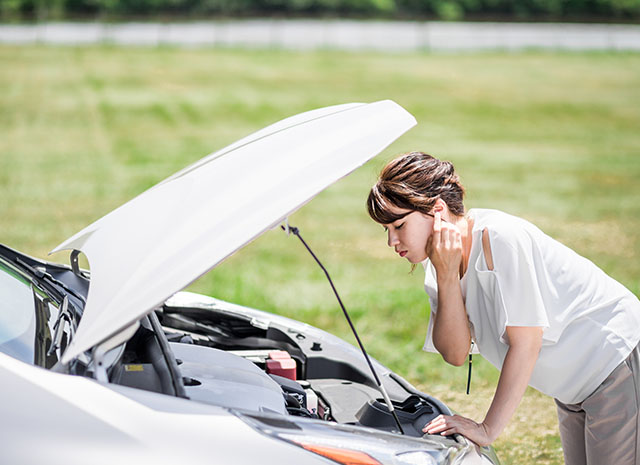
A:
(444, 248)
(451, 335)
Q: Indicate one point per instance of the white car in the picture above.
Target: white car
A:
(118, 366)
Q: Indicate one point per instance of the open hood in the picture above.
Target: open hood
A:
(159, 242)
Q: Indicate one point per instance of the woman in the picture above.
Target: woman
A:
(539, 312)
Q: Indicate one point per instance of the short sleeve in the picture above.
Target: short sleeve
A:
(517, 280)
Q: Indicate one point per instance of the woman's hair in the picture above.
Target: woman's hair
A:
(414, 181)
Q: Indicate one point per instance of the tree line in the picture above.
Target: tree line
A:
(507, 10)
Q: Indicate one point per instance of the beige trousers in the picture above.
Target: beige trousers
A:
(603, 429)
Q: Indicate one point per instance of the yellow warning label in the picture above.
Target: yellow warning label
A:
(133, 368)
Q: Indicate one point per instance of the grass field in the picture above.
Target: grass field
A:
(553, 137)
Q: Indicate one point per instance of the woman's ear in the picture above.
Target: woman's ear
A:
(440, 206)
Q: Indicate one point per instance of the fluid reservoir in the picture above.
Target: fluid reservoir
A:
(280, 363)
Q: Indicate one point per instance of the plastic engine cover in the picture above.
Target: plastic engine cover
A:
(218, 378)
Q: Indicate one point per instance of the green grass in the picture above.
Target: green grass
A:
(550, 136)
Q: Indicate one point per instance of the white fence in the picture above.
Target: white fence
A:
(392, 36)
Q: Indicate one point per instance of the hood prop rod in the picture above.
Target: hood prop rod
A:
(387, 400)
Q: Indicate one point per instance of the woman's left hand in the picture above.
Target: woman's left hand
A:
(447, 425)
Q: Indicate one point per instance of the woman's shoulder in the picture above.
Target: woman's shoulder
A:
(496, 220)
(503, 228)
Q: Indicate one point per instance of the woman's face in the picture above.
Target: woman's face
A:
(408, 236)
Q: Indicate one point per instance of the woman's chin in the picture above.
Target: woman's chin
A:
(414, 261)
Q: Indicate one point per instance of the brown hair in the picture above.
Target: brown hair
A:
(414, 181)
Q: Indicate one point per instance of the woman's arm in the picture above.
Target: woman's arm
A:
(451, 335)
(524, 347)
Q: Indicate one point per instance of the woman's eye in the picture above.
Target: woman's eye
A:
(400, 226)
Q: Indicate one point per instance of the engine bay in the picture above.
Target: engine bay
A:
(233, 361)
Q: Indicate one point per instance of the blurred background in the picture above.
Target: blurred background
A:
(537, 103)
(553, 10)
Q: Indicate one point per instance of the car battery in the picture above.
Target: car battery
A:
(280, 363)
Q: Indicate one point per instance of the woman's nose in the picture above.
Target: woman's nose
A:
(392, 239)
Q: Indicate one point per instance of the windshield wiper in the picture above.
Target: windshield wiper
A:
(41, 275)
(65, 316)
(387, 400)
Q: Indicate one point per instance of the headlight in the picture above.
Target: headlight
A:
(352, 454)
(415, 458)
(345, 456)
(354, 445)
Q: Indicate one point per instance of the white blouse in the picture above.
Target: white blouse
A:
(591, 322)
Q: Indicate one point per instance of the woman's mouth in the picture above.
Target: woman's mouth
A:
(403, 253)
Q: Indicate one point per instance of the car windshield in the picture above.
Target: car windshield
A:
(26, 318)
(17, 315)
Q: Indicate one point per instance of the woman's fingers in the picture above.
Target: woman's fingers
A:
(450, 236)
(454, 236)
(446, 425)
(437, 230)
(435, 426)
(437, 222)
(444, 246)
(446, 236)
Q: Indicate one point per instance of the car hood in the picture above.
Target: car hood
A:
(159, 242)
